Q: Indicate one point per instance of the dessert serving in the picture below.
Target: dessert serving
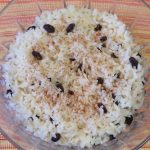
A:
(75, 77)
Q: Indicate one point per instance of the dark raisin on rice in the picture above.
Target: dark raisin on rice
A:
(143, 82)
(30, 118)
(138, 54)
(85, 71)
(128, 120)
(80, 66)
(49, 28)
(9, 91)
(133, 62)
(40, 82)
(32, 27)
(56, 125)
(70, 92)
(56, 138)
(99, 49)
(37, 116)
(59, 86)
(103, 45)
(111, 137)
(113, 55)
(117, 75)
(117, 124)
(37, 55)
(70, 27)
(98, 27)
(50, 79)
(100, 80)
(72, 59)
(51, 119)
(116, 102)
(100, 105)
(103, 38)
(113, 96)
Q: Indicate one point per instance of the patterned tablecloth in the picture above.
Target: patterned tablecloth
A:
(4, 143)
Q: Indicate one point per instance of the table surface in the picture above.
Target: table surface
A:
(4, 143)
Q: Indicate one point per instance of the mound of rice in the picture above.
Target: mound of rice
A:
(75, 77)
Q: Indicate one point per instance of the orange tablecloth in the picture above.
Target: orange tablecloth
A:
(4, 143)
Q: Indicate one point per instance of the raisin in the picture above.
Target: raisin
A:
(70, 27)
(103, 107)
(116, 102)
(113, 55)
(56, 138)
(40, 82)
(9, 91)
(113, 96)
(128, 120)
(100, 80)
(80, 66)
(143, 82)
(37, 116)
(133, 62)
(117, 75)
(59, 86)
(32, 27)
(49, 28)
(56, 125)
(72, 59)
(70, 92)
(103, 45)
(117, 124)
(98, 28)
(99, 49)
(111, 137)
(103, 38)
(49, 79)
(51, 119)
(37, 55)
(30, 118)
(138, 54)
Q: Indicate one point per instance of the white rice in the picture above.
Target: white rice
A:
(77, 118)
